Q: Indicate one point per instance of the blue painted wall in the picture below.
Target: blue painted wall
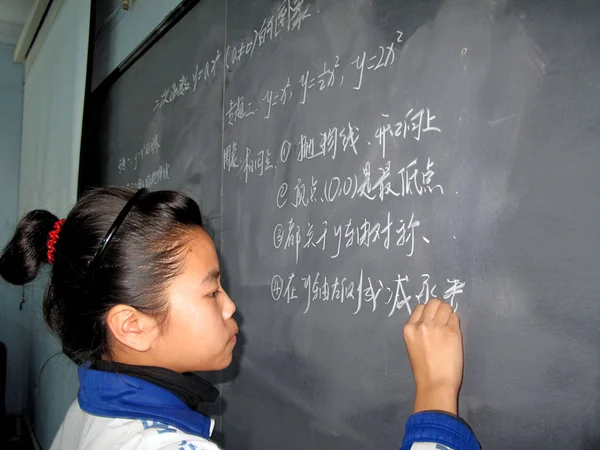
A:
(119, 32)
(46, 394)
(48, 384)
(15, 325)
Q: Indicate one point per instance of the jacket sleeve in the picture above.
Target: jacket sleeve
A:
(431, 430)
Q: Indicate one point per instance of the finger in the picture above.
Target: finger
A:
(443, 313)
(454, 321)
(416, 314)
(431, 309)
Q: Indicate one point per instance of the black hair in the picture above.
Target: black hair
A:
(145, 254)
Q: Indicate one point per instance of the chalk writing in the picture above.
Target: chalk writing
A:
(230, 157)
(410, 180)
(238, 110)
(280, 97)
(413, 124)
(324, 79)
(248, 162)
(152, 147)
(327, 77)
(301, 196)
(259, 163)
(329, 142)
(153, 178)
(426, 291)
(383, 57)
(179, 88)
(413, 180)
(334, 239)
(361, 291)
(456, 287)
(208, 71)
(289, 16)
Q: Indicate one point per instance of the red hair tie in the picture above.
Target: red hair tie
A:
(52, 238)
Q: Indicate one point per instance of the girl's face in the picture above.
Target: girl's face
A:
(199, 332)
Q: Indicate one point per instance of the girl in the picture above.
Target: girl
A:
(135, 298)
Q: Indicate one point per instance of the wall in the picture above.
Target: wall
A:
(119, 32)
(42, 383)
(15, 324)
(47, 393)
(54, 90)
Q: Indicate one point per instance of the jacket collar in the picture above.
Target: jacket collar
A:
(112, 394)
(190, 388)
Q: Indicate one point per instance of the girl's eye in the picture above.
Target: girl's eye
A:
(213, 294)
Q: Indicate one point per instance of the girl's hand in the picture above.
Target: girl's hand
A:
(434, 344)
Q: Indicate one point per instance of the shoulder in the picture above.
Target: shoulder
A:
(125, 434)
(81, 430)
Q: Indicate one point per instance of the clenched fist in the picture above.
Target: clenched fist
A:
(434, 344)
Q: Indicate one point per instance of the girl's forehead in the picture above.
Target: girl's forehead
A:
(202, 254)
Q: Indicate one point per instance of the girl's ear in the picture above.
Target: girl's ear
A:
(131, 328)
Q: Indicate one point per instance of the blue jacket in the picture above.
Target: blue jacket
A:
(117, 411)
(438, 431)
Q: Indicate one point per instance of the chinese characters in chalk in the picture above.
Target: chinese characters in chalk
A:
(158, 173)
(362, 291)
(288, 18)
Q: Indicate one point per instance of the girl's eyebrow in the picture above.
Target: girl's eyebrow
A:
(212, 275)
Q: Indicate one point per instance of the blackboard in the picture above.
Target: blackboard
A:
(358, 156)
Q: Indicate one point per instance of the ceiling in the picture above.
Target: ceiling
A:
(13, 14)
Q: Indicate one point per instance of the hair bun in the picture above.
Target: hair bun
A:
(27, 250)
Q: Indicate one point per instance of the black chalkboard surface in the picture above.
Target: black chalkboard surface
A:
(360, 156)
